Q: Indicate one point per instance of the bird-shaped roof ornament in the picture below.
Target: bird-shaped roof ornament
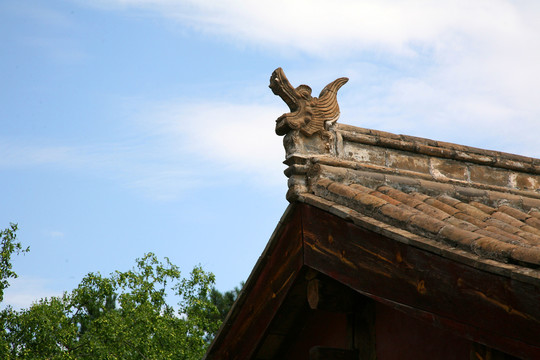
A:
(308, 114)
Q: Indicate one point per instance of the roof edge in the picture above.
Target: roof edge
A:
(349, 147)
(513, 271)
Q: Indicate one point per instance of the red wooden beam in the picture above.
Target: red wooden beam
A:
(262, 295)
(496, 307)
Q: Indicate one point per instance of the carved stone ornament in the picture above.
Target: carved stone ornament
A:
(308, 114)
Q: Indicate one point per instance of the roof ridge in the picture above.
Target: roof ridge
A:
(427, 180)
(525, 200)
(439, 148)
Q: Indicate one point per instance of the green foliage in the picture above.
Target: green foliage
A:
(43, 331)
(224, 301)
(123, 316)
(8, 247)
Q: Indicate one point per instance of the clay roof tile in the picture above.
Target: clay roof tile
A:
(466, 197)
(483, 207)
(515, 213)
(442, 206)
(533, 221)
(457, 236)
(499, 215)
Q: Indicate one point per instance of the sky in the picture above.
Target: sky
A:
(135, 126)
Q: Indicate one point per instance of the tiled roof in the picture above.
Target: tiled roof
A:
(471, 204)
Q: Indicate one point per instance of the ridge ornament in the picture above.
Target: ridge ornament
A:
(308, 114)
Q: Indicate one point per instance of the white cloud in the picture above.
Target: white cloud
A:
(26, 290)
(468, 69)
(459, 71)
(171, 148)
(332, 28)
(239, 136)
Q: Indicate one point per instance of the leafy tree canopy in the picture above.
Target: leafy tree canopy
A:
(8, 246)
(122, 316)
(224, 301)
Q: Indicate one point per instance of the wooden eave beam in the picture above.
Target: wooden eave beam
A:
(495, 310)
(502, 312)
(264, 292)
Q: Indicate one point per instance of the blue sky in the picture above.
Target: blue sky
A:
(130, 126)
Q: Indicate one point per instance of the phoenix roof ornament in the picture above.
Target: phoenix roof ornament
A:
(308, 114)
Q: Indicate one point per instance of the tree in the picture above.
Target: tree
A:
(8, 247)
(224, 301)
(123, 316)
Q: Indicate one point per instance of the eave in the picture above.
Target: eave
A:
(480, 305)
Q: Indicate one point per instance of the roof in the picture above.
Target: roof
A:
(474, 205)
(445, 233)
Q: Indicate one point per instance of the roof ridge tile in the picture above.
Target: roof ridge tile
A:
(439, 148)
(527, 255)
(470, 219)
(457, 236)
(433, 211)
(504, 216)
(396, 213)
(472, 211)
(481, 201)
(497, 230)
(502, 225)
(531, 230)
(442, 206)
(462, 224)
(448, 200)
(400, 196)
(427, 223)
(534, 213)
(498, 234)
(485, 208)
(385, 197)
(493, 248)
(534, 222)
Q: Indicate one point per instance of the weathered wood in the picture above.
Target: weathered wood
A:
(329, 296)
(326, 353)
(477, 305)
(262, 295)
(400, 336)
(288, 323)
(482, 352)
(363, 323)
(494, 306)
(320, 328)
(466, 331)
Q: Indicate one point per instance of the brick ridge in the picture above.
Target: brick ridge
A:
(425, 180)
(440, 149)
